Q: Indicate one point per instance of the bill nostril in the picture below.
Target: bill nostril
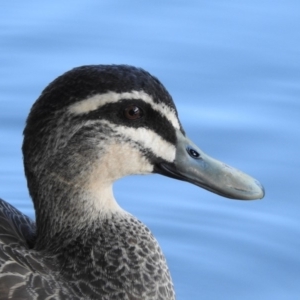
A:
(193, 153)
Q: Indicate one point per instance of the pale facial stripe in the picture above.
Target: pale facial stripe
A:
(97, 101)
(147, 138)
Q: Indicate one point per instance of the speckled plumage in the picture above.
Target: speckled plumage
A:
(120, 245)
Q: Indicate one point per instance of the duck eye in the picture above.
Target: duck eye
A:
(133, 112)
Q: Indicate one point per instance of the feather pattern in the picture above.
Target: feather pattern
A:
(118, 260)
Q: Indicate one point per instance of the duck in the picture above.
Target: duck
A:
(90, 127)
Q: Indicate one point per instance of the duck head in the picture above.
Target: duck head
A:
(95, 124)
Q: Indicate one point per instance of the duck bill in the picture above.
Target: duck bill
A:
(191, 164)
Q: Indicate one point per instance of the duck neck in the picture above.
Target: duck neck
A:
(112, 244)
(69, 210)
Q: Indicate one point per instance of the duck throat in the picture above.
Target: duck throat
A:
(92, 240)
(66, 210)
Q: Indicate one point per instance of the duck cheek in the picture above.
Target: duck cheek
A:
(121, 160)
(148, 140)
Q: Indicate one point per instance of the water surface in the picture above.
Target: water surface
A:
(233, 69)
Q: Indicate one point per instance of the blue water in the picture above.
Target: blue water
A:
(233, 68)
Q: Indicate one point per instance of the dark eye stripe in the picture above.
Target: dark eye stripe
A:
(152, 119)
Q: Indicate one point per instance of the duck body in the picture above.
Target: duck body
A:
(117, 258)
(90, 127)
